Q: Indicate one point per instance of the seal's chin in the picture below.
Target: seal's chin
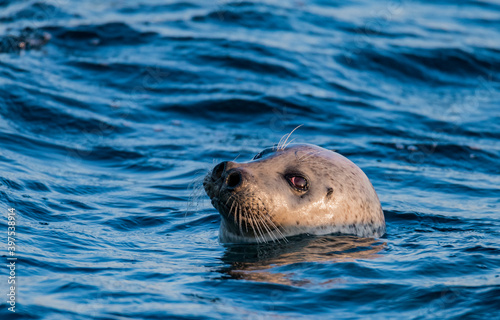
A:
(234, 216)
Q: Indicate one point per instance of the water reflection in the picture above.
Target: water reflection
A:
(256, 262)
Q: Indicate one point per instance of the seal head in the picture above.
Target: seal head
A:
(297, 189)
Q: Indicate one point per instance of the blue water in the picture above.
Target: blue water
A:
(112, 111)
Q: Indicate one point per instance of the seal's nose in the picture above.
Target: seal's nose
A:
(233, 179)
(226, 174)
(219, 170)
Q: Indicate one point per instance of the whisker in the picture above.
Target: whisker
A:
(232, 205)
(246, 219)
(268, 228)
(229, 199)
(197, 191)
(259, 230)
(288, 136)
(281, 140)
(233, 213)
(269, 232)
(308, 155)
(262, 226)
(254, 229)
(240, 219)
(265, 225)
(285, 146)
(276, 228)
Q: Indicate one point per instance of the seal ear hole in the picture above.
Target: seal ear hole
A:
(329, 192)
(297, 182)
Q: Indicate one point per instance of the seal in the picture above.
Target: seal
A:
(290, 190)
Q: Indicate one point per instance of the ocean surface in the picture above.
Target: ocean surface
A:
(111, 113)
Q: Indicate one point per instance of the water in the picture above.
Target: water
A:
(111, 111)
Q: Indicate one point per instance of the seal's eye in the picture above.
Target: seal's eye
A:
(298, 182)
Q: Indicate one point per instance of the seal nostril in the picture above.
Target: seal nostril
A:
(233, 180)
(219, 170)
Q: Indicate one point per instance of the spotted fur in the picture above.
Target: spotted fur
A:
(263, 207)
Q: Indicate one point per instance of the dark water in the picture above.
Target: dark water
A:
(110, 111)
